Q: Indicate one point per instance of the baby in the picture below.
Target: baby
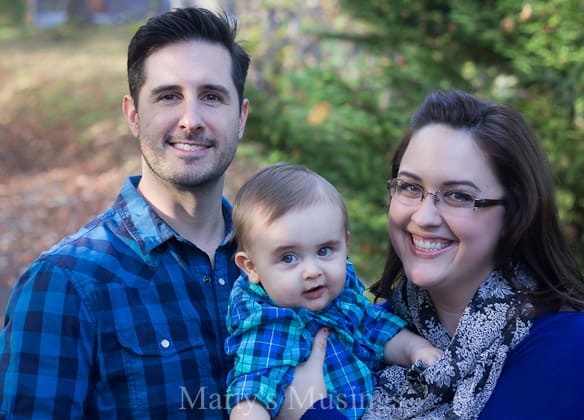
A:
(293, 232)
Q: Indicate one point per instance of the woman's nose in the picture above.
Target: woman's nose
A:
(427, 212)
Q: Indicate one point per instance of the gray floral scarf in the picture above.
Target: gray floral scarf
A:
(459, 384)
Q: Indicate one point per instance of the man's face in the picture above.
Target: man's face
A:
(188, 121)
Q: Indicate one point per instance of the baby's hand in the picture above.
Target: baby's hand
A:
(428, 354)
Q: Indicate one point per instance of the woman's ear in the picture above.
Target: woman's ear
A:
(245, 263)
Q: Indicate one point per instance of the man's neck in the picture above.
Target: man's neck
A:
(196, 214)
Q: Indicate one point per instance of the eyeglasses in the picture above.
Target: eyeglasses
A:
(411, 194)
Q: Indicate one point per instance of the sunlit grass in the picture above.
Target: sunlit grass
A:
(65, 76)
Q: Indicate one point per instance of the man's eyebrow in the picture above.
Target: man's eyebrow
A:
(207, 87)
(217, 88)
(164, 88)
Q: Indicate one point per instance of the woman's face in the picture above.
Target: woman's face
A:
(448, 251)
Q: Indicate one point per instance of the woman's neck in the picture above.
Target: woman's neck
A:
(449, 319)
(449, 307)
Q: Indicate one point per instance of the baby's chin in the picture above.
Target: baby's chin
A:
(317, 306)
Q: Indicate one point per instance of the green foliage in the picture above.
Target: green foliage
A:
(342, 112)
(12, 12)
(338, 131)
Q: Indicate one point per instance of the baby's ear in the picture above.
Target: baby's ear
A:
(244, 262)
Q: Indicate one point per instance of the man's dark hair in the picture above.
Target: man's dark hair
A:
(187, 24)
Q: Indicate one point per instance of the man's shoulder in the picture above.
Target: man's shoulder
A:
(101, 249)
(93, 238)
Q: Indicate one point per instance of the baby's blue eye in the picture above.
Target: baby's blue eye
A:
(289, 258)
(323, 252)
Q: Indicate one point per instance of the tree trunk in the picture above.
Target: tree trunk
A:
(31, 11)
(77, 12)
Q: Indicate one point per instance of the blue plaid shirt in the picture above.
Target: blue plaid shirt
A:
(267, 342)
(124, 319)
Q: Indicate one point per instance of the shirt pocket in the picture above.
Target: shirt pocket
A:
(150, 365)
(161, 339)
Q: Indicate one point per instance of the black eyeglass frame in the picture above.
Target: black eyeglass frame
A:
(478, 203)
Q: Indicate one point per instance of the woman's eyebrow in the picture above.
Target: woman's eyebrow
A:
(449, 183)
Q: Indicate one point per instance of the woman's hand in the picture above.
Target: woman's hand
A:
(308, 385)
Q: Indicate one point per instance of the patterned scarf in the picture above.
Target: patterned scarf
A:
(459, 384)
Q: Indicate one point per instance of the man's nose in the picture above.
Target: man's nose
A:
(192, 115)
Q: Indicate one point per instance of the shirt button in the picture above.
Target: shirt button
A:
(207, 279)
(221, 282)
(165, 343)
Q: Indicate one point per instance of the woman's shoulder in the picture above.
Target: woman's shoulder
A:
(554, 338)
(560, 327)
(544, 374)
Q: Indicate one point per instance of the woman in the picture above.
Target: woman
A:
(477, 264)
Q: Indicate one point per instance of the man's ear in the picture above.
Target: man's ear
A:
(348, 238)
(131, 114)
(243, 118)
(244, 262)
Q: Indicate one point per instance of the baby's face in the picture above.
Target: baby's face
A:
(300, 258)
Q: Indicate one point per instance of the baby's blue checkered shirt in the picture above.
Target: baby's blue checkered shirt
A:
(124, 319)
(267, 342)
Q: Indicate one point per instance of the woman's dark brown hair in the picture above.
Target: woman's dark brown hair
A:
(531, 230)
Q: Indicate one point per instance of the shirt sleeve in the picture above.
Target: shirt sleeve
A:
(45, 347)
(378, 325)
(267, 342)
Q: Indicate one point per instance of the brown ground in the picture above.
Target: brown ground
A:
(50, 188)
(65, 150)
(48, 192)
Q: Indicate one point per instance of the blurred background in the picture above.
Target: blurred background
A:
(332, 86)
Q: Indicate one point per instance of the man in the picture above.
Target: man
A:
(126, 318)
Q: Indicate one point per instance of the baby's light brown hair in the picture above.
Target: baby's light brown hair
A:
(277, 189)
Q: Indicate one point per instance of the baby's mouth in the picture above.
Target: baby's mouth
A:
(314, 292)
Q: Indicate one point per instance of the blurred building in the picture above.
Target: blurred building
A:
(55, 12)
